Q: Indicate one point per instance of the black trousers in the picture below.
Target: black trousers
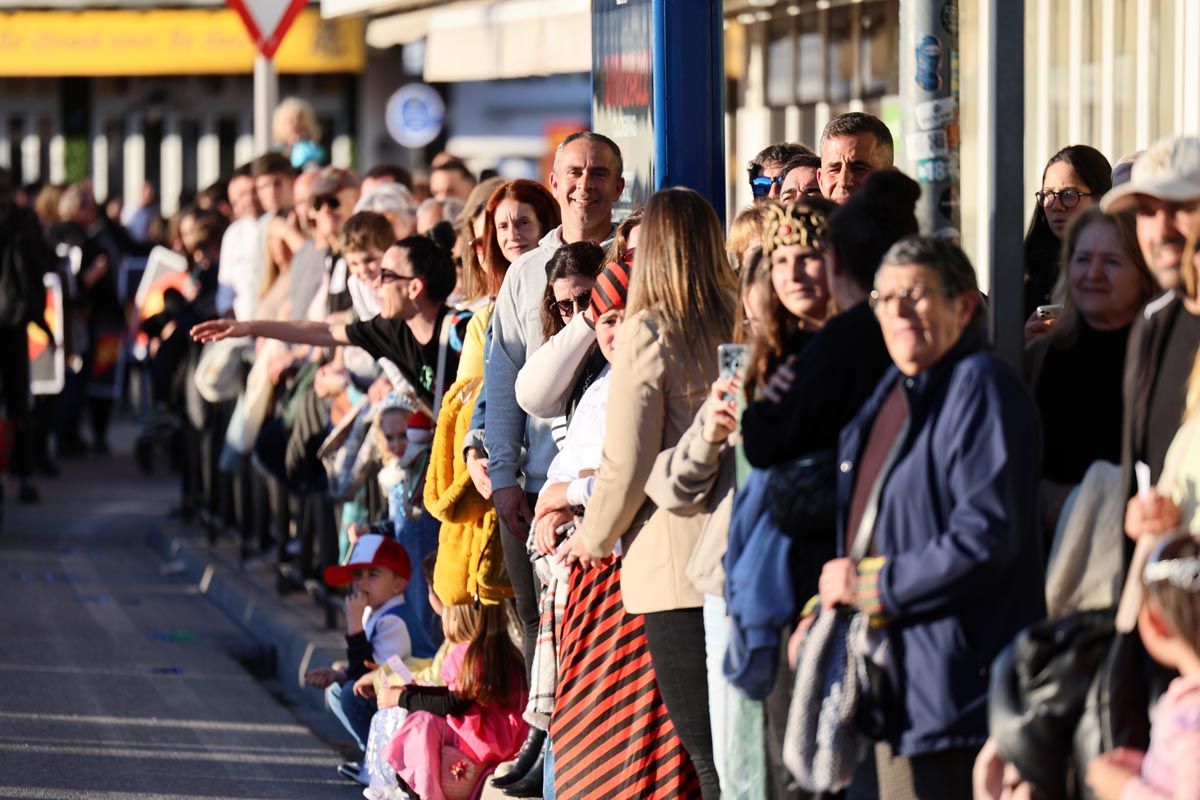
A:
(525, 587)
(676, 641)
(14, 384)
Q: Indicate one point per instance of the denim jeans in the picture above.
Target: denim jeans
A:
(548, 775)
(420, 538)
(353, 711)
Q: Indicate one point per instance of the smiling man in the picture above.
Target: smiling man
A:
(853, 146)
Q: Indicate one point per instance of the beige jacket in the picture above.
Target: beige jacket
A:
(654, 394)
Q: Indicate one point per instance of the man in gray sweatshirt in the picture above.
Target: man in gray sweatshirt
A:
(586, 180)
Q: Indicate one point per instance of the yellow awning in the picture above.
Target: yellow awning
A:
(167, 42)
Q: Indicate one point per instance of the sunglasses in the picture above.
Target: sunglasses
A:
(569, 308)
(320, 202)
(1068, 197)
(761, 186)
(387, 276)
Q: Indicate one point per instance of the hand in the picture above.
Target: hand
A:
(545, 530)
(513, 509)
(323, 677)
(838, 583)
(577, 551)
(1036, 328)
(278, 366)
(797, 639)
(379, 390)
(552, 498)
(1108, 774)
(356, 530)
(781, 380)
(364, 687)
(355, 604)
(1151, 514)
(217, 329)
(477, 467)
(720, 420)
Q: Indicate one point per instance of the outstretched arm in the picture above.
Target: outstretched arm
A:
(318, 334)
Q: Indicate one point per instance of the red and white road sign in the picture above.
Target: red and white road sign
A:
(267, 20)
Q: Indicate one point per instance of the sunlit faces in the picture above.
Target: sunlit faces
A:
(364, 264)
(274, 192)
(607, 325)
(798, 276)
(330, 211)
(392, 426)
(799, 183)
(517, 228)
(920, 323)
(241, 196)
(1162, 231)
(396, 286)
(572, 295)
(1103, 279)
(444, 183)
(585, 182)
(846, 163)
(378, 584)
(1065, 196)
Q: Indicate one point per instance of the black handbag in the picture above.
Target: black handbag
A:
(803, 494)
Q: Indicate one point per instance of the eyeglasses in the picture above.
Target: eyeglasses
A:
(761, 186)
(1068, 197)
(909, 298)
(320, 202)
(387, 276)
(569, 308)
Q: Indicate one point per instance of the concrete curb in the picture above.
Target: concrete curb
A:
(289, 639)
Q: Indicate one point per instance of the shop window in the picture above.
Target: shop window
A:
(880, 32)
(781, 63)
(810, 75)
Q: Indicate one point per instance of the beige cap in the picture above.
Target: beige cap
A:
(1168, 170)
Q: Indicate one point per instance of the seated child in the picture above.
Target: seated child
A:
(1169, 625)
(453, 735)
(378, 570)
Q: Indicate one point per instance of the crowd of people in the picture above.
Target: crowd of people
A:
(640, 508)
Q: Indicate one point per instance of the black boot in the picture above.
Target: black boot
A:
(531, 784)
(531, 751)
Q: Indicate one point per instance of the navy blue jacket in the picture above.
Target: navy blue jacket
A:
(958, 524)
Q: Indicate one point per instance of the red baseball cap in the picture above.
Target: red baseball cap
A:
(371, 550)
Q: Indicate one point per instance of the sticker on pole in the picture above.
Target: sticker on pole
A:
(267, 20)
(414, 115)
(926, 144)
(936, 113)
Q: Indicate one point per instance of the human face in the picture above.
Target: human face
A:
(800, 183)
(919, 333)
(330, 211)
(396, 287)
(274, 192)
(302, 200)
(445, 183)
(586, 184)
(607, 326)
(364, 264)
(378, 584)
(798, 275)
(517, 228)
(1162, 230)
(1104, 281)
(393, 427)
(574, 293)
(846, 162)
(1060, 176)
(241, 197)
(770, 170)
(428, 218)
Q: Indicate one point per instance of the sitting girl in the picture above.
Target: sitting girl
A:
(1169, 625)
(453, 735)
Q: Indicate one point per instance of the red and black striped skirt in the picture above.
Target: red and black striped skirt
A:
(610, 731)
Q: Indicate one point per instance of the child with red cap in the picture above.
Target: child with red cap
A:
(378, 570)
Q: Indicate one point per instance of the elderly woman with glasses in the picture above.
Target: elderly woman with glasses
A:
(937, 494)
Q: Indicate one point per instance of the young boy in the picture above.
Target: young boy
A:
(379, 570)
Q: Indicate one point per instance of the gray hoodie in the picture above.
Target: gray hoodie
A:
(516, 334)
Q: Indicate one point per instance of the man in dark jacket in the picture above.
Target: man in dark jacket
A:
(937, 507)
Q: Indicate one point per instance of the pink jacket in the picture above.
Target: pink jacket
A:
(1171, 768)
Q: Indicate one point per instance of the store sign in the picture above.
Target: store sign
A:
(414, 115)
(167, 42)
(623, 90)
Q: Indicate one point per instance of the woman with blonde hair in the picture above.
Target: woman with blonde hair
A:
(682, 297)
(297, 133)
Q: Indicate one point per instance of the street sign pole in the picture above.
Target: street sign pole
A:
(266, 97)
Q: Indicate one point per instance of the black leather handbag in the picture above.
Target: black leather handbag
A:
(803, 494)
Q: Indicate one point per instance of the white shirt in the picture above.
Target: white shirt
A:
(583, 444)
(240, 272)
(388, 635)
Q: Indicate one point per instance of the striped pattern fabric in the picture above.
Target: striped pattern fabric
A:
(611, 734)
(611, 288)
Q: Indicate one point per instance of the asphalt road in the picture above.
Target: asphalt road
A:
(118, 681)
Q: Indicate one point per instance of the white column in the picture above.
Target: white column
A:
(1182, 87)
(1145, 60)
(99, 161)
(1041, 114)
(982, 181)
(791, 123)
(208, 152)
(243, 148)
(58, 157)
(1079, 33)
(171, 165)
(1108, 79)
(5, 144)
(135, 160)
(31, 151)
(1189, 28)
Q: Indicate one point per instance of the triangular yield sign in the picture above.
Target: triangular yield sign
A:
(267, 20)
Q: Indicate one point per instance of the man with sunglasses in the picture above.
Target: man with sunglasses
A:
(1164, 194)
(768, 168)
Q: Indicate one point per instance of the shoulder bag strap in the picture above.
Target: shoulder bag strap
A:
(866, 528)
(439, 384)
